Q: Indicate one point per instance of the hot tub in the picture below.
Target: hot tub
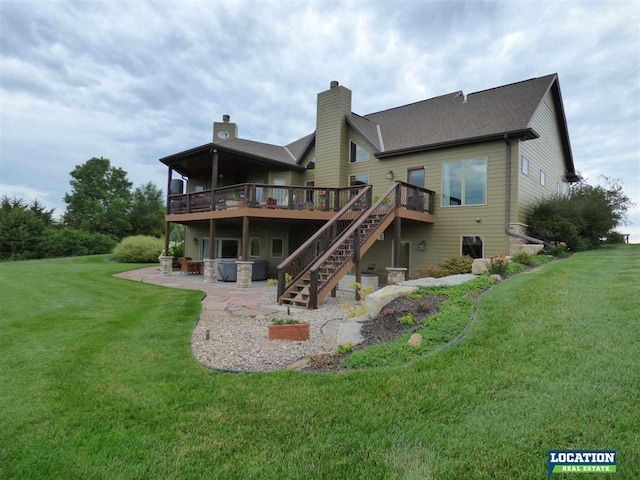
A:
(228, 270)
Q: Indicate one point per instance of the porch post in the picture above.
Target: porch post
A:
(396, 241)
(214, 168)
(212, 238)
(245, 238)
(167, 234)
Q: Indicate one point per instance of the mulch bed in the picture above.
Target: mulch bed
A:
(385, 327)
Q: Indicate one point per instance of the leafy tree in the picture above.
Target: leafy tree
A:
(147, 211)
(100, 200)
(582, 217)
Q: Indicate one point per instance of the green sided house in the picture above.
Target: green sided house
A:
(398, 189)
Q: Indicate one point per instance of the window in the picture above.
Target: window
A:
(472, 246)
(254, 247)
(277, 247)
(415, 176)
(525, 166)
(359, 154)
(464, 182)
(312, 163)
(360, 179)
(559, 188)
(543, 178)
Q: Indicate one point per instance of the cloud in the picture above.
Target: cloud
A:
(137, 81)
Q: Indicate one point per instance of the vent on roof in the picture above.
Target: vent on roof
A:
(334, 84)
(464, 100)
(226, 118)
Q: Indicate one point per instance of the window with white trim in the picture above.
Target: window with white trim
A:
(464, 182)
(525, 166)
(472, 246)
(358, 154)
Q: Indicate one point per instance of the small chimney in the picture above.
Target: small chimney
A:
(226, 118)
(333, 84)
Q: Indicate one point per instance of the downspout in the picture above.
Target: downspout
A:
(507, 202)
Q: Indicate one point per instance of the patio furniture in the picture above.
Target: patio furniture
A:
(187, 266)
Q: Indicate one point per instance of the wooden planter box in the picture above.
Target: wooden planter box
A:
(294, 331)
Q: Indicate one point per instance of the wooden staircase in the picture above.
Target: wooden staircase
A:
(324, 272)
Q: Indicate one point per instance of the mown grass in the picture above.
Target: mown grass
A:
(98, 381)
(452, 316)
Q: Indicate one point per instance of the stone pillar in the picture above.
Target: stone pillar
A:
(210, 270)
(166, 265)
(396, 275)
(515, 243)
(245, 271)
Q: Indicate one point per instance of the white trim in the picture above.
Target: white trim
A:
(290, 154)
(522, 165)
(543, 178)
(380, 138)
(481, 236)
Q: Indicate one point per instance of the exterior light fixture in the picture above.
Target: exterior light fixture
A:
(422, 246)
(390, 175)
(195, 240)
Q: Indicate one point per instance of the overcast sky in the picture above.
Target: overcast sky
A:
(134, 81)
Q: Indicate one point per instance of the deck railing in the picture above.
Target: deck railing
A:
(253, 195)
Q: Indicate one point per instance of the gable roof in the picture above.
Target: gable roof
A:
(455, 117)
(437, 122)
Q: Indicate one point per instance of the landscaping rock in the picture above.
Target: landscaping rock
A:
(349, 332)
(479, 266)
(496, 277)
(437, 282)
(379, 299)
(415, 340)
(299, 364)
(530, 248)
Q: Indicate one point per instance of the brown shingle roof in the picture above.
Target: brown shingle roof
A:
(264, 150)
(450, 118)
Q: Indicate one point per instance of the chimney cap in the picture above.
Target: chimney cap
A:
(334, 84)
(226, 118)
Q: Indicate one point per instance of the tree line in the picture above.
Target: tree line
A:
(102, 208)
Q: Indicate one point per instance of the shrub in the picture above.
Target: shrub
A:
(540, 259)
(345, 348)
(139, 249)
(69, 242)
(357, 311)
(559, 251)
(614, 238)
(285, 321)
(513, 268)
(422, 305)
(176, 250)
(433, 271)
(406, 320)
(582, 217)
(457, 264)
(523, 258)
(272, 282)
(498, 265)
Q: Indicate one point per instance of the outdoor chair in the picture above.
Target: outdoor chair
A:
(187, 266)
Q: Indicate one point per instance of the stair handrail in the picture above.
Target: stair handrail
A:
(364, 193)
(353, 229)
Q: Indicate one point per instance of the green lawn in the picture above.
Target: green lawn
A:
(97, 381)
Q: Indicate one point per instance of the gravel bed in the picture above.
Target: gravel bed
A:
(242, 343)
